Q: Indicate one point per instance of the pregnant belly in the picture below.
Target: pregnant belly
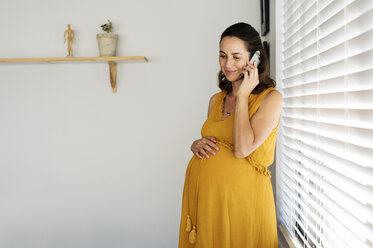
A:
(222, 171)
(224, 181)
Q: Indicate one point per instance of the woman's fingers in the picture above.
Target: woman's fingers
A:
(211, 138)
(212, 144)
(198, 155)
(208, 148)
(250, 67)
(252, 70)
(203, 152)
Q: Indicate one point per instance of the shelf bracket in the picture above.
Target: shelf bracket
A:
(113, 75)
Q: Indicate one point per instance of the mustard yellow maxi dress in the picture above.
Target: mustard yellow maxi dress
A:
(227, 201)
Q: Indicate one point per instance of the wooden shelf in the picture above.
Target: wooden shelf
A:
(111, 61)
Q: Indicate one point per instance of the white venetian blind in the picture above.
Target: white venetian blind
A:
(325, 163)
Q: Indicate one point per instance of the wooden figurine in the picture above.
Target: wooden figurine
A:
(70, 38)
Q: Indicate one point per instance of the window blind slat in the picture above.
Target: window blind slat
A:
(305, 225)
(357, 9)
(358, 136)
(361, 175)
(329, 67)
(352, 82)
(339, 100)
(359, 25)
(360, 44)
(339, 117)
(327, 12)
(297, 55)
(293, 12)
(328, 26)
(308, 36)
(352, 189)
(303, 14)
(356, 154)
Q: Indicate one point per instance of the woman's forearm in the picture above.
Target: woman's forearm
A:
(243, 134)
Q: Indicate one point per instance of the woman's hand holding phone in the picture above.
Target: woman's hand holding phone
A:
(250, 76)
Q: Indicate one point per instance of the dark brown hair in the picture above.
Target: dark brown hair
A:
(251, 38)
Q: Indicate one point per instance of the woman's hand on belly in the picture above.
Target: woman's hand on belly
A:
(201, 146)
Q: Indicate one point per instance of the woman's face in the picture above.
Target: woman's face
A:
(233, 56)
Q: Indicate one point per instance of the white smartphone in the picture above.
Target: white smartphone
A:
(255, 57)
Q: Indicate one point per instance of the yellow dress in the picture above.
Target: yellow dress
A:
(227, 201)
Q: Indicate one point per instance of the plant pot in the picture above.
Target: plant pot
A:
(107, 44)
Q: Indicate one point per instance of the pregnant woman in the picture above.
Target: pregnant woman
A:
(227, 199)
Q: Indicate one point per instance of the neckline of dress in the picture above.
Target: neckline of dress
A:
(221, 110)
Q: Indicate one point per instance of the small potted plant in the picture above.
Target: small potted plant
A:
(107, 42)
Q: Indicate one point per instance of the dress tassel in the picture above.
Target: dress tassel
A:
(188, 224)
(192, 235)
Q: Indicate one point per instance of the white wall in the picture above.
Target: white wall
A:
(81, 166)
